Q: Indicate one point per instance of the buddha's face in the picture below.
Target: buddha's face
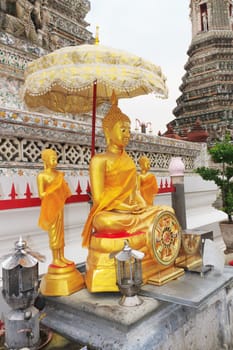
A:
(119, 135)
(146, 164)
(51, 161)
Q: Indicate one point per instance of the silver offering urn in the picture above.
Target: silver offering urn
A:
(20, 289)
(129, 274)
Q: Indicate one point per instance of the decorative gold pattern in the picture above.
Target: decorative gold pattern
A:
(165, 238)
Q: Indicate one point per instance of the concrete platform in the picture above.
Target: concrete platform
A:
(100, 322)
(191, 289)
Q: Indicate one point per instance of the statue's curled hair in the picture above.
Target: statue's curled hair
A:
(114, 115)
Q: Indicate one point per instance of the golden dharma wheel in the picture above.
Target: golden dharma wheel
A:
(165, 238)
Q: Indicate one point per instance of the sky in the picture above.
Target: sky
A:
(156, 30)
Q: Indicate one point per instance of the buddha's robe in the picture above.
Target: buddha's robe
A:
(51, 213)
(148, 187)
(120, 187)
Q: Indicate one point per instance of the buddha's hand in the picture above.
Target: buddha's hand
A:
(138, 209)
(45, 194)
(42, 195)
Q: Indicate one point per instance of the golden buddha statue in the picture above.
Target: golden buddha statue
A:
(53, 191)
(147, 182)
(118, 209)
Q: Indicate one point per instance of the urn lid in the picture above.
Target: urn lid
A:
(22, 256)
(176, 167)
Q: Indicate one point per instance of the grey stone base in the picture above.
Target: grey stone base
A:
(97, 320)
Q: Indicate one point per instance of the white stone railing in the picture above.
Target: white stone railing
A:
(24, 134)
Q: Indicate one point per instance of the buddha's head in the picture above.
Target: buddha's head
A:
(144, 163)
(49, 157)
(116, 124)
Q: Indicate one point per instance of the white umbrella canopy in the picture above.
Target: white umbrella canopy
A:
(63, 80)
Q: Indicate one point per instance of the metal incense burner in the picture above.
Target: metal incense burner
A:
(20, 289)
(128, 274)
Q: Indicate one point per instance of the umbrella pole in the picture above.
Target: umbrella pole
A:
(93, 118)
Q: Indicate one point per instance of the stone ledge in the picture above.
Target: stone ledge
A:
(100, 322)
(104, 307)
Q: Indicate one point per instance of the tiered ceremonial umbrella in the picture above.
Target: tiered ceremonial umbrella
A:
(77, 79)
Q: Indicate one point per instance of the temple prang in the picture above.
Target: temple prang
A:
(207, 86)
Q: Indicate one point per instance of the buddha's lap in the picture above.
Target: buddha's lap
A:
(112, 228)
(127, 221)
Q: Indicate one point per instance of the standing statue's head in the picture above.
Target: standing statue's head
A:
(113, 117)
(49, 157)
(144, 163)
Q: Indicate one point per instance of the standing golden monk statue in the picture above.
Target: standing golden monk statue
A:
(53, 191)
(147, 182)
(118, 209)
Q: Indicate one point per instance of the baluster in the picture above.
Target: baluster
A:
(13, 193)
(88, 189)
(28, 192)
(161, 184)
(78, 189)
